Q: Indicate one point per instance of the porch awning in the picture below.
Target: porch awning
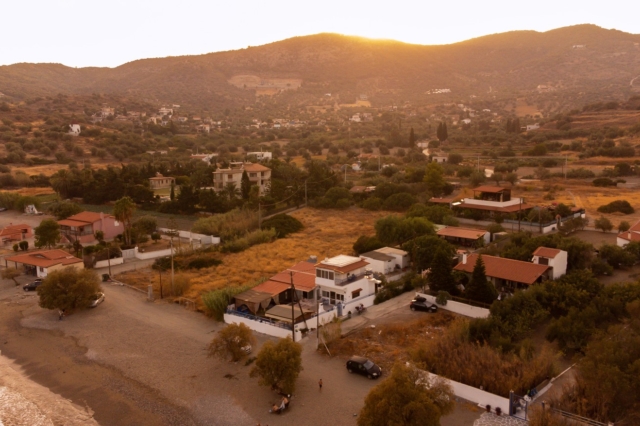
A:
(283, 313)
(254, 300)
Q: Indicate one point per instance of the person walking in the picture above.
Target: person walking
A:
(320, 384)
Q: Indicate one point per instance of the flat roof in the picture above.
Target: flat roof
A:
(465, 233)
(507, 209)
(392, 250)
(490, 188)
(344, 269)
(283, 313)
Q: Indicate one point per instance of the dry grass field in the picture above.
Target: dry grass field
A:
(327, 233)
(582, 194)
(522, 109)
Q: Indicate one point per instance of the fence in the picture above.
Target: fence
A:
(188, 235)
(112, 262)
(459, 308)
(261, 325)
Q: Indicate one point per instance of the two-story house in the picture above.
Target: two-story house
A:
(346, 282)
(82, 227)
(258, 174)
(556, 259)
(159, 181)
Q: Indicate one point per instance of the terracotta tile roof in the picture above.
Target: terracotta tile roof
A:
(343, 269)
(251, 167)
(301, 280)
(14, 229)
(489, 188)
(443, 200)
(88, 217)
(72, 223)
(45, 259)
(271, 287)
(546, 252)
(466, 233)
(630, 235)
(506, 269)
(304, 266)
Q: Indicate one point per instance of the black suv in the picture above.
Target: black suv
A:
(421, 304)
(32, 286)
(360, 365)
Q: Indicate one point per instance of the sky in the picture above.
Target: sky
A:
(109, 33)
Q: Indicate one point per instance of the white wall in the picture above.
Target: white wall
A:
(204, 239)
(105, 263)
(153, 254)
(512, 202)
(380, 266)
(476, 395)
(262, 327)
(621, 242)
(459, 308)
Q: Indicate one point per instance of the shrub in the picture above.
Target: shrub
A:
(373, 203)
(604, 182)
(216, 301)
(181, 283)
(230, 342)
(621, 206)
(442, 298)
(203, 262)
(366, 244)
(399, 202)
(228, 225)
(283, 225)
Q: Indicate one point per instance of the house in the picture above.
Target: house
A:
(42, 263)
(492, 200)
(260, 155)
(203, 128)
(466, 121)
(633, 234)
(467, 237)
(344, 282)
(207, 158)
(12, 233)
(106, 111)
(439, 157)
(386, 260)
(74, 129)
(556, 259)
(258, 175)
(530, 127)
(165, 111)
(505, 274)
(83, 226)
(159, 181)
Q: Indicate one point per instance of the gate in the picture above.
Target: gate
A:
(519, 406)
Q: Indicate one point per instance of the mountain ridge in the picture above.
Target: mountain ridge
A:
(511, 61)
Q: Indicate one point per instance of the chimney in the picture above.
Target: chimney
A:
(464, 258)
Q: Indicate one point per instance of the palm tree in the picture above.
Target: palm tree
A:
(123, 210)
(232, 191)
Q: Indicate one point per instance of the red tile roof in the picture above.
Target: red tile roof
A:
(45, 259)
(271, 287)
(546, 252)
(88, 217)
(302, 281)
(14, 229)
(466, 233)
(506, 269)
(630, 235)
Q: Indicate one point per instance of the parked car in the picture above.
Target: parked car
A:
(363, 366)
(32, 286)
(421, 304)
(98, 298)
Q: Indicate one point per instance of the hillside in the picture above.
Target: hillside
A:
(386, 71)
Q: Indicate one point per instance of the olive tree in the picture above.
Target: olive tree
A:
(68, 289)
(231, 341)
(279, 364)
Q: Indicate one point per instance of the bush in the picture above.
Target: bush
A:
(366, 244)
(203, 262)
(604, 182)
(68, 289)
(442, 298)
(216, 301)
(228, 225)
(373, 203)
(399, 202)
(283, 224)
(181, 283)
(621, 206)
(250, 239)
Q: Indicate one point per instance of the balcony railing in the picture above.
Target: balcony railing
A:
(259, 319)
(350, 279)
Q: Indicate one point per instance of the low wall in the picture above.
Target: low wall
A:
(261, 327)
(128, 254)
(153, 254)
(204, 239)
(459, 308)
(105, 263)
(475, 395)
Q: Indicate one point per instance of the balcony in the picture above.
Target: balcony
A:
(351, 278)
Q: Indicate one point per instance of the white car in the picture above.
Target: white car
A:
(98, 298)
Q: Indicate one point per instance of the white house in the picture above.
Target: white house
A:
(42, 263)
(260, 155)
(401, 257)
(532, 127)
(258, 175)
(344, 281)
(556, 259)
(466, 121)
(439, 157)
(386, 260)
(74, 129)
(633, 234)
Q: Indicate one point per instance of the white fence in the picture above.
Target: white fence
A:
(154, 254)
(459, 308)
(475, 395)
(261, 327)
(191, 236)
(128, 254)
(105, 263)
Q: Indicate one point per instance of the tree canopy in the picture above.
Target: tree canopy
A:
(47, 234)
(68, 289)
(406, 398)
(279, 364)
(230, 341)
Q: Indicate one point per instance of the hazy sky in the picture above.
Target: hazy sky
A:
(112, 32)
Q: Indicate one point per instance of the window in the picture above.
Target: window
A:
(327, 275)
(230, 176)
(253, 175)
(355, 294)
(340, 297)
(325, 293)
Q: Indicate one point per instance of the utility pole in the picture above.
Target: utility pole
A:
(318, 319)
(172, 293)
(293, 324)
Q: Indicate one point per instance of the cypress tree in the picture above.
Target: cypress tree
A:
(479, 288)
(245, 185)
(172, 194)
(445, 133)
(441, 275)
(412, 138)
(508, 126)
